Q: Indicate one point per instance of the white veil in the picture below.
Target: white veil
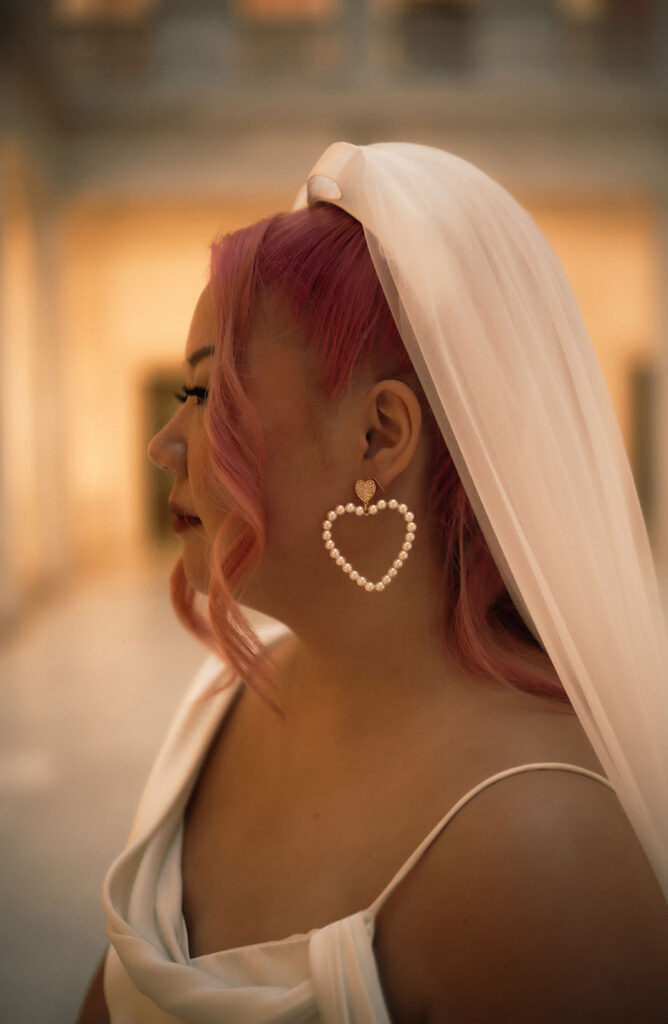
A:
(494, 332)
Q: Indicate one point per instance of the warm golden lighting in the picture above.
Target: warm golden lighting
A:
(98, 10)
(131, 277)
(608, 248)
(582, 10)
(288, 10)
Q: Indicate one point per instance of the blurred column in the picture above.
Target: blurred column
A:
(662, 224)
(661, 410)
(32, 544)
(54, 560)
(9, 589)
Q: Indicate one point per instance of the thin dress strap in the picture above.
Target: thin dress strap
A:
(428, 840)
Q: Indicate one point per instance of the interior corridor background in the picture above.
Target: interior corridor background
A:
(132, 132)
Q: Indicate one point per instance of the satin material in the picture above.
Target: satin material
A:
(326, 975)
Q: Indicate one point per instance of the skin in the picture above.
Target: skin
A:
(94, 1008)
(314, 457)
(393, 734)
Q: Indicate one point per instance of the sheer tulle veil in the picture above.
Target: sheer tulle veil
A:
(494, 332)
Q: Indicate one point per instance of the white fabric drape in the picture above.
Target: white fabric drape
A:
(326, 976)
(494, 332)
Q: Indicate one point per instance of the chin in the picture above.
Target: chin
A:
(196, 572)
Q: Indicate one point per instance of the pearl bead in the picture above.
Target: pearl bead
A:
(359, 510)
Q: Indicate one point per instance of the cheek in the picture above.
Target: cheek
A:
(204, 488)
(295, 504)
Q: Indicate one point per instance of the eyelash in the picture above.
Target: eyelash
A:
(200, 393)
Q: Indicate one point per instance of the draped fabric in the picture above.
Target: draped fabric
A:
(325, 976)
(495, 335)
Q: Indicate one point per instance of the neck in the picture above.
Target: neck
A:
(366, 665)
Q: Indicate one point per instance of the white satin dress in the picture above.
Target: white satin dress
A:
(327, 975)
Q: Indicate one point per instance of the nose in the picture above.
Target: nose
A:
(167, 450)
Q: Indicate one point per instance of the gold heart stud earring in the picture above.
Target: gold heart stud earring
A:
(365, 490)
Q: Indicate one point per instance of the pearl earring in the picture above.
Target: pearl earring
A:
(365, 490)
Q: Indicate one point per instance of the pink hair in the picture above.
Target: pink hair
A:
(317, 260)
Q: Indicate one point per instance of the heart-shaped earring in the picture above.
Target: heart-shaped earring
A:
(365, 490)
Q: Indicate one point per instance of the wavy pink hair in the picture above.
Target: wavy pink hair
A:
(317, 260)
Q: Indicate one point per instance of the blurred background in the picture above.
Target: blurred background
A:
(131, 133)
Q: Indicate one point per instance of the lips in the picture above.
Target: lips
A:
(180, 513)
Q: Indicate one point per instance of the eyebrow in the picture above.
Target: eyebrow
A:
(200, 353)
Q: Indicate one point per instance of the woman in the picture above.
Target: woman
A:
(393, 812)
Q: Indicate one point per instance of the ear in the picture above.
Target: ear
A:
(392, 423)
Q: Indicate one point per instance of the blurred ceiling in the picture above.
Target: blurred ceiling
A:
(141, 65)
(119, 98)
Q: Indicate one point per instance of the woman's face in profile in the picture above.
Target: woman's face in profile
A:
(182, 447)
(278, 386)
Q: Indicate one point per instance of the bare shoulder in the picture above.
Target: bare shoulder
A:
(536, 902)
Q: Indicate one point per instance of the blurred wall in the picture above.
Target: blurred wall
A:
(32, 485)
(610, 250)
(130, 276)
(128, 142)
